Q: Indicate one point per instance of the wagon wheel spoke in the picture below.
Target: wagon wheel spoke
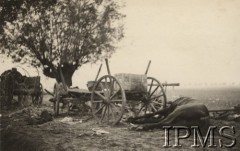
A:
(110, 114)
(155, 97)
(100, 95)
(113, 116)
(115, 93)
(112, 98)
(146, 108)
(154, 91)
(153, 107)
(114, 106)
(108, 110)
(117, 109)
(106, 85)
(99, 109)
(150, 87)
(103, 113)
(111, 86)
(103, 89)
(158, 103)
(141, 109)
(107, 88)
(114, 88)
(116, 100)
(98, 101)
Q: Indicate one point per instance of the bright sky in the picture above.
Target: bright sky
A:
(188, 41)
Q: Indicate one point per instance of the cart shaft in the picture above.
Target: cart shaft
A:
(167, 84)
(149, 63)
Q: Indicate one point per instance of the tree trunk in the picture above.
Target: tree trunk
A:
(67, 75)
(66, 69)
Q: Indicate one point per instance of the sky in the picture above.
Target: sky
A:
(193, 42)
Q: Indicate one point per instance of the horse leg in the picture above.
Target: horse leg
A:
(166, 121)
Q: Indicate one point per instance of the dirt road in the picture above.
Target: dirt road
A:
(80, 132)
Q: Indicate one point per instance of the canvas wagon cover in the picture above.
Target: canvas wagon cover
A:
(132, 82)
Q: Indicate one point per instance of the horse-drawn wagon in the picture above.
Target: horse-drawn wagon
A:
(110, 95)
(13, 84)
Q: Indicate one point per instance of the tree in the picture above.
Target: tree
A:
(65, 36)
(9, 9)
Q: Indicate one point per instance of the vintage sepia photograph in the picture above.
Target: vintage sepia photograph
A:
(119, 75)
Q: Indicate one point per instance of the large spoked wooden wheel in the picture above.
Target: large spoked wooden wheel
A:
(154, 100)
(108, 100)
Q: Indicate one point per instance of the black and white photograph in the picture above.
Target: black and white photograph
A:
(119, 75)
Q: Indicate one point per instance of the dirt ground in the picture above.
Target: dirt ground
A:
(21, 131)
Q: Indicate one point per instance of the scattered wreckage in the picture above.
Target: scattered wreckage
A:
(184, 111)
(112, 95)
(13, 84)
(226, 114)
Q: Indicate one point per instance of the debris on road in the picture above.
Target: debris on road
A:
(70, 120)
(99, 131)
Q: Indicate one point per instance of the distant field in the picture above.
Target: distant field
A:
(218, 98)
(214, 98)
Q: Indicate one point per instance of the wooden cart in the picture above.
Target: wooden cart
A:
(111, 95)
(13, 83)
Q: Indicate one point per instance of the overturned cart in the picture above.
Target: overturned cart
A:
(112, 95)
(16, 87)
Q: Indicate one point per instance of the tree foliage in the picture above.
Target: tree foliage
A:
(65, 35)
(9, 9)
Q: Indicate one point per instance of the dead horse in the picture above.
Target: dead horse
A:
(185, 111)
